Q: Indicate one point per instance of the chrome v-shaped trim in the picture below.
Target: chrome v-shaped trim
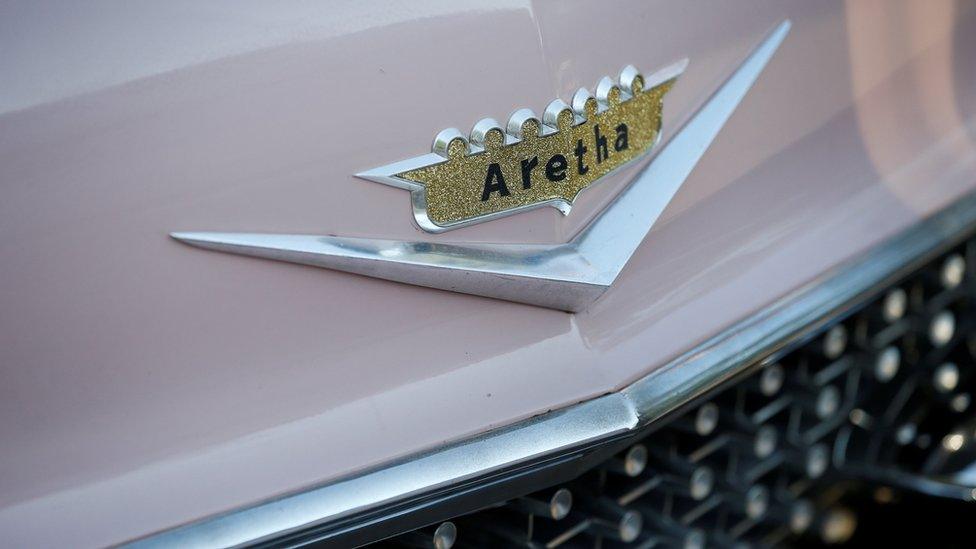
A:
(566, 276)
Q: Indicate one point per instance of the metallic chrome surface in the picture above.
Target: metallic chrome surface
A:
(567, 276)
(829, 461)
(703, 368)
(120, 122)
(644, 401)
(561, 430)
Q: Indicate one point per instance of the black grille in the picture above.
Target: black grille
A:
(879, 403)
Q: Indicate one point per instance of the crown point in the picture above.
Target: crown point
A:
(559, 115)
(488, 133)
(524, 124)
(584, 103)
(631, 80)
(450, 143)
(607, 92)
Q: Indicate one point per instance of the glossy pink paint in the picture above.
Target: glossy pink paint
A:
(144, 383)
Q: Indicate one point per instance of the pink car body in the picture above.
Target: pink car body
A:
(145, 384)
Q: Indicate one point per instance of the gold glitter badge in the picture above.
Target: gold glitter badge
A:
(532, 162)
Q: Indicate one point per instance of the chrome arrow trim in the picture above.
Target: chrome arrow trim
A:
(567, 276)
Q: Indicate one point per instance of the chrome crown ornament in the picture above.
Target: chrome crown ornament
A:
(533, 162)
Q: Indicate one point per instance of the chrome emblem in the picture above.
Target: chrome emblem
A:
(533, 162)
(567, 276)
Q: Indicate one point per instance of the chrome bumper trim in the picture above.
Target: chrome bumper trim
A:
(539, 437)
(803, 311)
(548, 436)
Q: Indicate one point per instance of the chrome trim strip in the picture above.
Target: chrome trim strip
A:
(726, 355)
(561, 430)
(804, 310)
(566, 276)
